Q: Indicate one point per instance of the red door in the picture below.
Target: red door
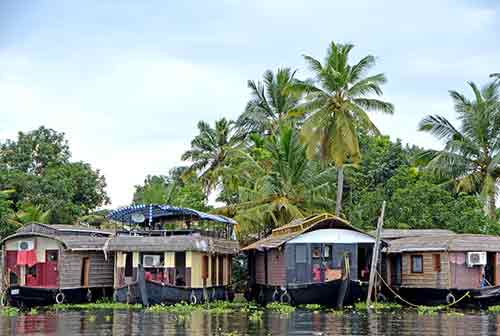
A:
(50, 270)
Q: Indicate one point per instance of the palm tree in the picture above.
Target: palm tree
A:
(336, 104)
(497, 75)
(209, 151)
(282, 187)
(156, 190)
(270, 103)
(32, 213)
(471, 156)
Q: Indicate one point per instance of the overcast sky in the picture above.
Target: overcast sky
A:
(127, 81)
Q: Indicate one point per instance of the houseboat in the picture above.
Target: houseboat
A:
(168, 254)
(46, 264)
(320, 259)
(441, 269)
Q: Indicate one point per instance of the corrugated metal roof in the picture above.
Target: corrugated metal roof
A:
(70, 242)
(447, 242)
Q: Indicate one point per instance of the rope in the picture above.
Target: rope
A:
(415, 305)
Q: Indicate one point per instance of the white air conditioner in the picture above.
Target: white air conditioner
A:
(151, 261)
(25, 245)
(476, 258)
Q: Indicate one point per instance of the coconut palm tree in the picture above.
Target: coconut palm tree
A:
(269, 104)
(282, 187)
(471, 156)
(497, 75)
(337, 101)
(32, 213)
(209, 151)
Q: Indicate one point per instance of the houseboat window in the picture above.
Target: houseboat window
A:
(437, 262)
(52, 255)
(128, 264)
(180, 268)
(417, 264)
(327, 251)
(316, 263)
(300, 254)
(32, 271)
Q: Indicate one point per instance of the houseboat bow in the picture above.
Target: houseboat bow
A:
(442, 268)
(320, 259)
(47, 264)
(170, 254)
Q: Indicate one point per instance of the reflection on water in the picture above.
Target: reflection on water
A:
(123, 322)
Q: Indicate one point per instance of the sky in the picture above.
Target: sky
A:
(127, 81)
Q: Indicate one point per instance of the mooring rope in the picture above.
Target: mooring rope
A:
(415, 305)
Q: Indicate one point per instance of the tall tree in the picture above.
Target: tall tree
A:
(337, 102)
(209, 150)
(33, 152)
(279, 186)
(497, 75)
(270, 103)
(471, 156)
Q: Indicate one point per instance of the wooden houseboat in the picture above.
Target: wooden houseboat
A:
(440, 269)
(320, 259)
(172, 254)
(46, 264)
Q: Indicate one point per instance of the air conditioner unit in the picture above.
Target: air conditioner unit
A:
(476, 258)
(25, 245)
(151, 261)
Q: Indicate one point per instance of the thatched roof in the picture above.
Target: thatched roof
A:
(281, 235)
(398, 233)
(447, 242)
(173, 243)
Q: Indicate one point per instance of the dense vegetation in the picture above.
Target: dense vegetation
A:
(299, 147)
(39, 182)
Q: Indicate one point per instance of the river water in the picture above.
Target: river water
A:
(300, 322)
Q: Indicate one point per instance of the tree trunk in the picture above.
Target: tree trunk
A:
(492, 206)
(340, 189)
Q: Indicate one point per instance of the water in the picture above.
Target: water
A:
(124, 322)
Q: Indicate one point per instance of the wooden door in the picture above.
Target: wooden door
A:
(50, 268)
(85, 272)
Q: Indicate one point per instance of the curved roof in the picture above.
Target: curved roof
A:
(298, 227)
(152, 211)
(75, 243)
(339, 236)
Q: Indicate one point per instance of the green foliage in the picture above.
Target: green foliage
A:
(180, 188)
(9, 311)
(428, 310)
(377, 306)
(47, 186)
(281, 308)
(471, 156)
(494, 309)
(314, 307)
(269, 105)
(96, 306)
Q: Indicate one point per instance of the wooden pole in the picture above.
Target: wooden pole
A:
(375, 253)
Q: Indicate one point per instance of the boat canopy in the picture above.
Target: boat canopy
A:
(148, 212)
(339, 236)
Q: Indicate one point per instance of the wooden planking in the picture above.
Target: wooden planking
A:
(100, 270)
(429, 278)
(276, 268)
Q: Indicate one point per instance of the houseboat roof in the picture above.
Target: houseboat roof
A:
(63, 229)
(286, 233)
(446, 243)
(405, 233)
(172, 243)
(148, 212)
(70, 242)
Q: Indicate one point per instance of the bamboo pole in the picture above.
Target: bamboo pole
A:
(375, 254)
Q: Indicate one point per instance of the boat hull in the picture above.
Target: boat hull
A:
(158, 293)
(24, 296)
(477, 297)
(326, 293)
